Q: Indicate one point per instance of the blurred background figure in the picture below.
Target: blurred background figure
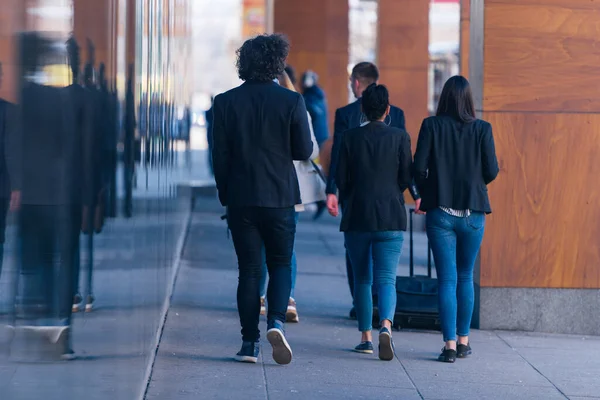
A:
(209, 137)
(316, 104)
(51, 212)
(129, 144)
(312, 190)
(10, 194)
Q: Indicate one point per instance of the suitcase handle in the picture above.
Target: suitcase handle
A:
(411, 250)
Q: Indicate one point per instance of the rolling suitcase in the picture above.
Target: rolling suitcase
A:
(417, 296)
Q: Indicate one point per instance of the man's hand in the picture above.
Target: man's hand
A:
(332, 205)
(15, 200)
(418, 206)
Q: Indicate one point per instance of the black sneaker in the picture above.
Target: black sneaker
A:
(364, 347)
(463, 350)
(448, 355)
(248, 353)
(282, 352)
(352, 314)
(386, 345)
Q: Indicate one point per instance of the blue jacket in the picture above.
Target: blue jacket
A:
(316, 105)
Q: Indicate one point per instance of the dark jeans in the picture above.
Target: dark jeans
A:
(455, 243)
(48, 236)
(89, 266)
(251, 229)
(4, 204)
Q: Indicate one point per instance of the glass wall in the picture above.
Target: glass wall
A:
(94, 152)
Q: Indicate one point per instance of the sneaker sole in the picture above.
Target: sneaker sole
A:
(246, 359)
(386, 350)
(75, 308)
(363, 351)
(282, 352)
(89, 308)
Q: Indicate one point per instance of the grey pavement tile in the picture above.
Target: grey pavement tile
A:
(543, 341)
(574, 372)
(486, 391)
(309, 390)
(583, 398)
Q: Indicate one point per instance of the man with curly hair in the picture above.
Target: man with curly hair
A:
(259, 129)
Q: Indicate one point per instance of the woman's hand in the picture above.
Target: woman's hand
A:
(418, 206)
(332, 205)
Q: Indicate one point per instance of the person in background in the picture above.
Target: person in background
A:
(10, 172)
(291, 73)
(259, 130)
(454, 162)
(373, 172)
(209, 138)
(316, 104)
(351, 116)
(311, 191)
(53, 179)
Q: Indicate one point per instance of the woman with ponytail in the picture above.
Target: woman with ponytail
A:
(372, 175)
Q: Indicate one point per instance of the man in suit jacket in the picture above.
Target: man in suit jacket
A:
(10, 171)
(349, 117)
(259, 129)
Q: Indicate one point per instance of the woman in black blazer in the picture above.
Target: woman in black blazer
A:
(454, 163)
(373, 172)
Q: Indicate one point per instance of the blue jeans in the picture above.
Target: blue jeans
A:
(455, 243)
(264, 274)
(384, 248)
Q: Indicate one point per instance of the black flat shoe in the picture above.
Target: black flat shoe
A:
(448, 355)
(365, 348)
(463, 350)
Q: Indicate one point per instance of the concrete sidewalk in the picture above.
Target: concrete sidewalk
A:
(202, 335)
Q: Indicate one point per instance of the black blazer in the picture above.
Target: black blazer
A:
(10, 149)
(259, 129)
(350, 117)
(373, 172)
(454, 163)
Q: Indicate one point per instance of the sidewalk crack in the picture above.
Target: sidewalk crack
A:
(531, 365)
(410, 378)
(262, 365)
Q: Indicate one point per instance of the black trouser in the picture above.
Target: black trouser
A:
(251, 228)
(48, 238)
(4, 204)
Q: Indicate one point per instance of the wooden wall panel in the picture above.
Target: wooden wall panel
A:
(546, 222)
(542, 55)
(465, 35)
(403, 57)
(94, 20)
(321, 44)
(540, 79)
(12, 20)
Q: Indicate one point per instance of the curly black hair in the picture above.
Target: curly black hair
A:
(262, 58)
(375, 101)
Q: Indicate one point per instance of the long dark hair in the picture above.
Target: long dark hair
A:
(457, 100)
(375, 100)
